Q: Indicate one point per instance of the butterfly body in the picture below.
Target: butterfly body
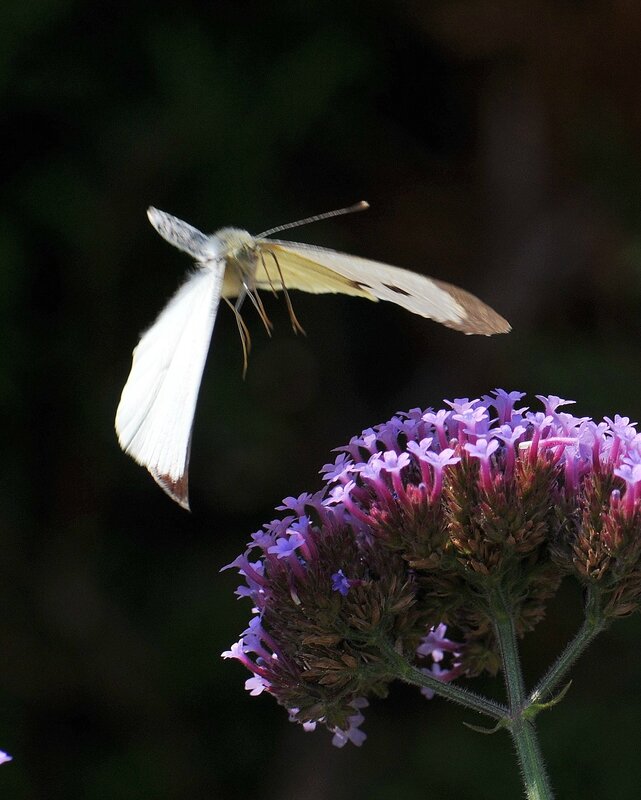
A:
(155, 415)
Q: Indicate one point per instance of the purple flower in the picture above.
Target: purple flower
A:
(483, 449)
(434, 671)
(503, 402)
(287, 545)
(436, 644)
(472, 423)
(438, 462)
(338, 470)
(420, 452)
(237, 651)
(4, 757)
(462, 405)
(439, 420)
(394, 462)
(340, 583)
(256, 685)
(552, 402)
(630, 472)
(422, 512)
(300, 503)
(352, 733)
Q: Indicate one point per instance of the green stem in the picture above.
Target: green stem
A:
(592, 626)
(535, 779)
(410, 674)
(506, 637)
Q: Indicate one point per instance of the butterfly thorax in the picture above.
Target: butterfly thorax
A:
(238, 248)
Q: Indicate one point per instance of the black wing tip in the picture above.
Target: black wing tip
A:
(478, 318)
(495, 324)
(481, 324)
(177, 489)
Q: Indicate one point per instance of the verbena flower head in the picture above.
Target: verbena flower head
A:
(421, 519)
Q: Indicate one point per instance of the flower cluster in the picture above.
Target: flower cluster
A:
(424, 522)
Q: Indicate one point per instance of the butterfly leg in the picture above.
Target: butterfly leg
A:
(256, 301)
(298, 328)
(245, 338)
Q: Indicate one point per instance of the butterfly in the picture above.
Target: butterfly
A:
(155, 416)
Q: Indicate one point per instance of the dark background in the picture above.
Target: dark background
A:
(499, 144)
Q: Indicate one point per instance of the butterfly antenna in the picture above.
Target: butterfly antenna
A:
(362, 206)
(298, 328)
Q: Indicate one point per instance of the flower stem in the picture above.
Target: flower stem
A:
(410, 674)
(593, 623)
(521, 727)
(506, 636)
(535, 779)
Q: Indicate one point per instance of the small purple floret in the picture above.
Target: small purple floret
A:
(340, 583)
(287, 546)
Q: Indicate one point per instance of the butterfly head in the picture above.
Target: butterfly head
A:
(235, 244)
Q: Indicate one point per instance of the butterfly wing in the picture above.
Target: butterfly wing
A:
(319, 270)
(181, 234)
(156, 411)
(301, 271)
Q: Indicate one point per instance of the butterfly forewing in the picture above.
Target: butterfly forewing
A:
(301, 272)
(182, 235)
(316, 269)
(156, 411)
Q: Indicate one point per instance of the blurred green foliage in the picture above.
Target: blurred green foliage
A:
(499, 147)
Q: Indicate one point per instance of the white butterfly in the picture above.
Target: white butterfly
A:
(155, 416)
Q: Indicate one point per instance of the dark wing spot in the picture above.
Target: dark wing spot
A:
(396, 289)
(360, 285)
